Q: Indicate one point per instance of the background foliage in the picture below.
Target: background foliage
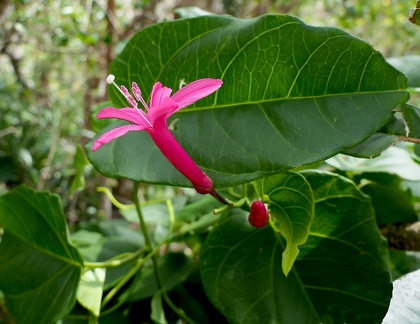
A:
(55, 56)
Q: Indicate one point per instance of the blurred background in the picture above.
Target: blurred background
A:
(54, 58)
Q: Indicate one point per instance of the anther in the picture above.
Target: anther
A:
(137, 93)
(110, 80)
(129, 98)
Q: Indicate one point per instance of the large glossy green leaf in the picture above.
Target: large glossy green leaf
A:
(39, 268)
(291, 206)
(340, 275)
(293, 94)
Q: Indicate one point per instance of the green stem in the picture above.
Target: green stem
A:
(148, 241)
(176, 310)
(127, 277)
(116, 262)
(236, 204)
(143, 224)
(120, 284)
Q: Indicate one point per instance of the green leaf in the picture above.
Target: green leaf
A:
(340, 275)
(292, 95)
(191, 12)
(412, 118)
(105, 241)
(241, 272)
(89, 294)
(291, 207)
(98, 124)
(174, 269)
(80, 162)
(403, 262)
(158, 314)
(410, 66)
(197, 209)
(391, 201)
(373, 146)
(394, 160)
(405, 302)
(40, 269)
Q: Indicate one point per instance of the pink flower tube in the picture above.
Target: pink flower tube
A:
(154, 122)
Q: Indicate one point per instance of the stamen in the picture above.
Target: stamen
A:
(129, 98)
(137, 93)
(110, 80)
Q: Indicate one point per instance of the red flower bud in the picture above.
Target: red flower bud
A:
(258, 217)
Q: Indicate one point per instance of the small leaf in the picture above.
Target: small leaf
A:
(412, 118)
(36, 257)
(191, 12)
(80, 162)
(158, 314)
(89, 294)
(292, 208)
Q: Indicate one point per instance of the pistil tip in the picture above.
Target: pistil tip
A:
(110, 79)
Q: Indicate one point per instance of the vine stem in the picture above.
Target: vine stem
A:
(410, 139)
(113, 263)
(148, 242)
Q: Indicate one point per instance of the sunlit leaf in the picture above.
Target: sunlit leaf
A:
(89, 294)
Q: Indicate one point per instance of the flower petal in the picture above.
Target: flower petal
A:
(167, 108)
(128, 114)
(115, 133)
(195, 91)
(159, 93)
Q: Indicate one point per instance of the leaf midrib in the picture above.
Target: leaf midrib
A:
(261, 102)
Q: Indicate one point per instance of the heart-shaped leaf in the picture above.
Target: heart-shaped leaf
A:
(291, 206)
(340, 275)
(292, 94)
(40, 269)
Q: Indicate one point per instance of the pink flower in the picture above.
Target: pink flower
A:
(153, 121)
